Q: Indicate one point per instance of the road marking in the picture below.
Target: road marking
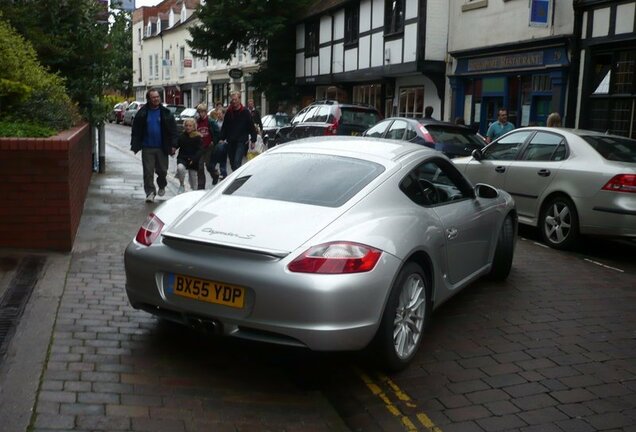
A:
(407, 422)
(542, 245)
(603, 265)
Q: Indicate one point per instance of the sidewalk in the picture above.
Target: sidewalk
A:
(84, 360)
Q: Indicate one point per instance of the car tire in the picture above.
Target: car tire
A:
(559, 223)
(504, 251)
(406, 316)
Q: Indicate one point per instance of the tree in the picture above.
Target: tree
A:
(28, 92)
(69, 38)
(266, 27)
(119, 70)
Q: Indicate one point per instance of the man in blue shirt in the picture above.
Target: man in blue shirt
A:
(500, 127)
(154, 132)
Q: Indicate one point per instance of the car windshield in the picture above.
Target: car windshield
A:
(447, 135)
(613, 148)
(359, 116)
(334, 179)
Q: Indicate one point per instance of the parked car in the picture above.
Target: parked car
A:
(175, 109)
(271, 125)
(362, 253)
(131, 111)
(184, 114)
(329, 118)
(565, 182)
(117, 113)
(451, 139)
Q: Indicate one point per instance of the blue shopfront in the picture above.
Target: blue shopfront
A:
(529, 81)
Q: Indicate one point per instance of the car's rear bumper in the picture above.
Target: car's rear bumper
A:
(321, 312)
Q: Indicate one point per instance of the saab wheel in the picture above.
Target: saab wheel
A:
(405, 318)
(559, 223)
(504, 252)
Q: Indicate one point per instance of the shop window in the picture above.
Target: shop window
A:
(368, 95)
(311, 38)
(411, 103)
(541, 83)
(352, 22)
(393, 17)
(625, 66)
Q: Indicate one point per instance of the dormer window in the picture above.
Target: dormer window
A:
(171, 18)
(158, 26)
(149, 29)
(184, 13)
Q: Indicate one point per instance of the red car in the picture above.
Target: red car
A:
(117, 113)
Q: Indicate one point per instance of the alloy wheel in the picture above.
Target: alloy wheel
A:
(410, 316)
(558, 222)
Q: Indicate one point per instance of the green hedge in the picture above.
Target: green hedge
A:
(22, 130)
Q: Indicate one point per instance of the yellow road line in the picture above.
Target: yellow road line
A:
(403, 397)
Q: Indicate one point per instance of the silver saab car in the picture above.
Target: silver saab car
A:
(566, 182)
(328, 243)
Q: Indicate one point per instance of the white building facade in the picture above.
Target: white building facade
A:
(385, 53)
(162, 59)
(510, 54)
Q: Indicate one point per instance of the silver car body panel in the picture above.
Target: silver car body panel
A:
(319, 311)
(581, 176)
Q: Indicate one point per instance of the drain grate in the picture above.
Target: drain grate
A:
(17, 295)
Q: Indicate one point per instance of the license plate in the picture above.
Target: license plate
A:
(207, 291)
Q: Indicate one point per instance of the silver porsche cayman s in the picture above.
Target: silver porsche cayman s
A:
(327, 243)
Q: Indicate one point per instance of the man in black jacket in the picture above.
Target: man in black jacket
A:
(236, 130)
(154, 132)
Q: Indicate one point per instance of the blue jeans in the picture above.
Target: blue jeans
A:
(219, 155)
(236, 151)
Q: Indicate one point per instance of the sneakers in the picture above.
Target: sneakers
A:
(150, 197)
(161, 192)
(181, 189)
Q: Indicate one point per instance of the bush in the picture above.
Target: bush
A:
(29, 94)
(12, 129)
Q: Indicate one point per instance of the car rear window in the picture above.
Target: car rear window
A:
(458, 136)
(613, 148)
(330, 181)
(359, 116)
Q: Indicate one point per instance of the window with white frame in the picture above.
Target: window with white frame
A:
(138, 68)
(411, 102)
(139, 35)
(150, 69)
(183, 13)
(352, 22)
(166, 65)
(156, 66)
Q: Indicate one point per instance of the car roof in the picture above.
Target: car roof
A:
(341, 104)
(573, 131)
(358, 147)
(426, 122)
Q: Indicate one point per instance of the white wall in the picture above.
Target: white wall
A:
(502, 22)
(437, 29)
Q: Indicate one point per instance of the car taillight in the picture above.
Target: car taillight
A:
(336, 258)
(332, 129)
(149, 230)
(622, 183)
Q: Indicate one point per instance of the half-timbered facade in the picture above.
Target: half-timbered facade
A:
(385, 53)
(607, 80)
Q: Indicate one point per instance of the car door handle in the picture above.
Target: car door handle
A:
(451, 233)
(500, 169)
(544, 172)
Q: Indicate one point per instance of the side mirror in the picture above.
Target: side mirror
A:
(483, 190)
(477, 154)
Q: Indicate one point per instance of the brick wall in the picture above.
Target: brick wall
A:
(43, 185)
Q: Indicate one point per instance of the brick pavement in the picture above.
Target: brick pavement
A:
(551, 349)
(114, 368)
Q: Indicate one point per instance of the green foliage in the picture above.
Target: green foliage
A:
(70, 40)
(118, 75)
(21, 130)
(43, 99)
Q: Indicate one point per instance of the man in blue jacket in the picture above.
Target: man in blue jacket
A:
(154, 132)
(236, 130)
